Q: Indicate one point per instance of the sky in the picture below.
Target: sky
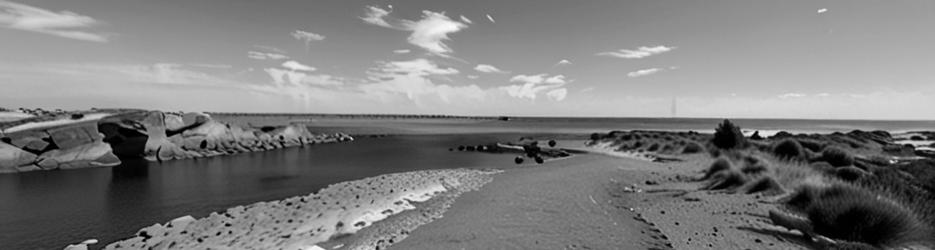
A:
(815, 59)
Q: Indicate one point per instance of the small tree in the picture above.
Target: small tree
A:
(728, 136)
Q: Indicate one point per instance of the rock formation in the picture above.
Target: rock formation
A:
(103, 139)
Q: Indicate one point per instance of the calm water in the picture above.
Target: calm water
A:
(48, 210)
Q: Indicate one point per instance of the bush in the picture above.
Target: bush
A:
(788, 149)
(653, 147)
(693, 148)
(728, 136)
(595, 136)
(837, 157)
(719, 165)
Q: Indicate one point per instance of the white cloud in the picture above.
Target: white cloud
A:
(472, 77)
(297, 78)
(486, 68)
(822, 10)
(466, 20)
(402, 51)
(265, 56)
(532, 85)
(557, 94)
(640, 52)
(157, 73)
(490, 18)
(296, 66)
(644, 72)
(270, 49)
(211, 65)
(63, 24)
(375, 16)
(417, 67)
(412, 79)
(791, 95)
(307, 37)
(563, 62)
(431, 32)
(428, 33)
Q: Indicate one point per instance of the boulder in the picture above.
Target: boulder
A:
(82, 156)
(75, 135)
(12, 158)
(33, 140)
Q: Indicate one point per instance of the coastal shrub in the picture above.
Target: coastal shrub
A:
(766, 185)
(77, 116)
(552, 143)
(756, 136)
(518, 160)
(539, 160)
(852, 214)
(837, 157)
(718, 165)
(823, 167)
(917, 138)
(728, 136)
(693, 148)
(595, 136)
(653, 147)
(812, 145)
(461, 148)
(788, 149)
(727, 179)
(850, 173)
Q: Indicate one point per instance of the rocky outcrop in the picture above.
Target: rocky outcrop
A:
(54, 144)
(158, 136)
(87, 141)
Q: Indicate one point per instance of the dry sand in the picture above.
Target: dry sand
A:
(596, 201)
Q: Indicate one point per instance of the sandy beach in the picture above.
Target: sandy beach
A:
(590, 202)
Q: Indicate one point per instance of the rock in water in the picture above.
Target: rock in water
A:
(12, 157)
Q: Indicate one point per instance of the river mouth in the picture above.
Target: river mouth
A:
(51, 209)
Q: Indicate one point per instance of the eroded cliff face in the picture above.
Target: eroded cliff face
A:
(156, 136)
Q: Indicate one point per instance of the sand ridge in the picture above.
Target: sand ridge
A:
(304, 221)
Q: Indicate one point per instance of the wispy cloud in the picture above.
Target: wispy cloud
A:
(466, 20)
(270, 49)
(822, 10)
(296, 66)
(491, 19)
(532, 85)
(791, 95)
(265, 56)
(638, 53)
(486, 68)
(211, 65)
(298, 78)
(644, 72)
(157, 73)
(402, 51)
(431, 31)
(472, 77)
(374, 15)
(413, 79)
(63, 24)
(417, 67)
(563, 62)
(307, 37)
